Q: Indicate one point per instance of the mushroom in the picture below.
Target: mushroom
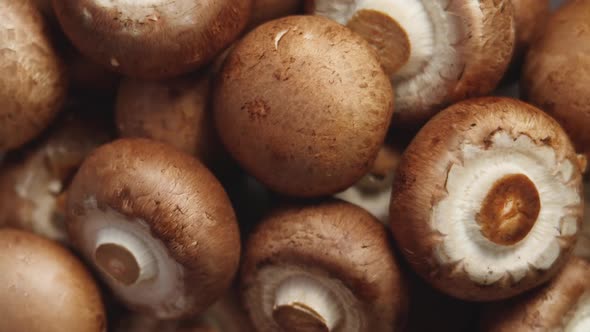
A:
(487, 201)
(175, 112)
(557, 71)
(373, 191)
(45, 287)
(153, 38)
(266, 10)
(303, 105)
(436, 52)
(33, 81)
(562, 305)
(33, 182)
(156, 224)
(324, 267)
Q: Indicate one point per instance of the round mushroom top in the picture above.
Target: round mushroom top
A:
(33, 81)
(156, 224)
(556, 75)
(487, 201)
(154, 38)
(561, 305)
(45, 287)
(325, 267)
(437, 52)
(303, 105)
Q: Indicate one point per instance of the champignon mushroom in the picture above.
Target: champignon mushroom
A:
(557, 71)
(303, 105)
(175, 112)
(33, 81)
(487, 201)
(325, 267)
(33, 182)
(436, 52)
(45, 288)
(156, 224)
(373, 191)
(266, 10)
(562, 305)
(152, 38)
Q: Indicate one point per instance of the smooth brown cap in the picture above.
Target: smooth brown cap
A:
(336, 239)
(420, 184)
(33, 82)
(542, 309)
(181, 202)
(556, 74)
(45, 288)
(162, 40)
(303, 105)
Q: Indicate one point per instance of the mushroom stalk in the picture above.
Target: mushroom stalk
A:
(124, 256)
(304, 304)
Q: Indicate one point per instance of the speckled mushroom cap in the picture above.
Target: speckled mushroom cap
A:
(487, 201)
(437, 51)
(152, 38)
(156, 224)
(556, 75)
(45, 287)
(33, 81)
(266, 10)
(303, 105)
(331, 261)
(562, 305)
(34, 181)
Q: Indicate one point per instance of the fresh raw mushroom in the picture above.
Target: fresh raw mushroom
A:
(156, 224)
(266, 10)
(556, 73)
(33, 182)
(303, 105)
(45, 288)
(152, 38)
(563, 305)
(33, 83)
(373, 191)
(436, 51)
(487, 201)
(327, 267)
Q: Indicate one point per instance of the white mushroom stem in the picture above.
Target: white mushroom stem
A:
(309, 297)
(580, 317)
(124, 256)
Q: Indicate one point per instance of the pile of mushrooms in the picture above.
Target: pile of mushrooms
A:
(294, 165)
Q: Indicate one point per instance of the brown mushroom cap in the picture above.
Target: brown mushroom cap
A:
(33, 182)
(487, 200)
(557, 71)
(562, 305)
(45, 288)
(335, 245)
(303, 105)
(156, 224)
(152, 39)
(266, 10)
(436, 53)
(33, 81)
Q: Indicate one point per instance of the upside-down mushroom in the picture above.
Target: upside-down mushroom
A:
(436, 52)
(157, 226)
(326, 267)
(487, 201)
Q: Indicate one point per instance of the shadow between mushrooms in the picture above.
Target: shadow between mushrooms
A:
(487, 201)
(157, 225)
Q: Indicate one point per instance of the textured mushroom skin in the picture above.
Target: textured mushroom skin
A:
(418, 186)
(161, 40)
(556, 75)
(343, 241)
(183, 204)
(45, 287)
(303, 105)
(543, 309)
(33, 82)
